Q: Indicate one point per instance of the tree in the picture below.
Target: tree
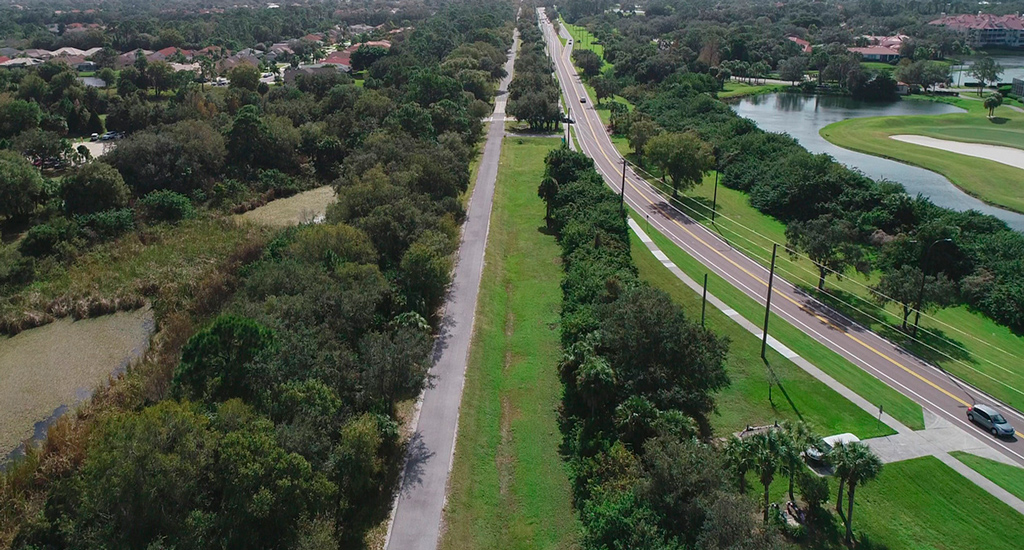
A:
(683, 157)
(161, 76)
(604, 87)
(218, 363)
(364, 56)
(640, 134)
(903, 286)
(94, 187)
(992, 101)
(588, 61)
(793, 69)
(425, 270)
(245, 77)
(797, 437)
(739, 458)
(765, 457)
(829, 243)
(17, 115)
(862, 466)
(20, 185)
(547, 191)
(986, 70)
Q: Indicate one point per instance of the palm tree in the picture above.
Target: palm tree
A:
(863, 467)
(739, 459)
(796, 437)
(764, 449)
(839, 459)
(992, 101)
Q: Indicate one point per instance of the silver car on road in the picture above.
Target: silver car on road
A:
(990, 419)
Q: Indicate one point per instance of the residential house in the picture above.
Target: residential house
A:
(319, 68)
(877, 53)
(804, 45)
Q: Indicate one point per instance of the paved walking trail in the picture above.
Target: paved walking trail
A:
(938, 438)
(1010, 156)
(416, 521)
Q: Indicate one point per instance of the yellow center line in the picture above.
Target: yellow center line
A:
(824, 320)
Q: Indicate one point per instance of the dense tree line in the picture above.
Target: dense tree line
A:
(278, 426)
(533, 93)
(639, 379)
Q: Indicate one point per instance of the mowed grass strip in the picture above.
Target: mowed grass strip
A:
(797, 396)
(1006, 476)
(990, 181)
(509, 486)
(853, 377)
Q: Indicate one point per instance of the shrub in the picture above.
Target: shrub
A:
(106, 225)
(216, 363)
(15, 269)
(94, 187)
(166, 206)
(40, 241)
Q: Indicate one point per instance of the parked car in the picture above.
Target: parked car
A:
(819, 453)
(990, 419)
(94, 137)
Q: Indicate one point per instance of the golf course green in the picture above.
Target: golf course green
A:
(990, 181)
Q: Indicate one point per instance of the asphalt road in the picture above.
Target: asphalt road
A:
(919, 380)
(416, 523)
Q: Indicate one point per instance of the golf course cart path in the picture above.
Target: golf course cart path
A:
(416, 519)
(1010, 156)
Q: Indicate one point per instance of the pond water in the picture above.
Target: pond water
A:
(47, 371)
(1013, 67)
(802, 116)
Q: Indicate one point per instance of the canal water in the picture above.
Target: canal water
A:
(802, 116)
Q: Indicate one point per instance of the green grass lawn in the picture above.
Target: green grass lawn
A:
(734, 88)
(966, 343)
(1008, 477)
(798, 395)
(582, 39)
(918, 504)
(509, 486)
(990, 181)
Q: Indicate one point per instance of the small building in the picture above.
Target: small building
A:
(804, 45)
(86, 66)
(877, 53)
(1017, 87)
(309, 70)
(902, 88)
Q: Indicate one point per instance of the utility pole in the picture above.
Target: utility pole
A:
(704, 300)
(622, 192)
(714, 200)
(768, 301)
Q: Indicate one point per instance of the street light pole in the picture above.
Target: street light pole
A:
(714, 200)
(768, 309)
(924, 275)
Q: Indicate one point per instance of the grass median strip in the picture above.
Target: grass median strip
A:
(1006, 476)
(798, 396)
(848, 374)
(509, 486)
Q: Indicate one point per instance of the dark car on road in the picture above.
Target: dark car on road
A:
(990, 419)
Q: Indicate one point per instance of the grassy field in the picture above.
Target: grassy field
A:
(964, 342)
(1008, 477)
(163, 261)
(509, 486)
(583, 40)
(798, 395)
(990, 181)
(734, 89)
(918, 504)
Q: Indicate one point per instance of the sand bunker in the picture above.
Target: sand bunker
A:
(1009, 156)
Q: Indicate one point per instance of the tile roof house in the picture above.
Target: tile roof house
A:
(877, 53)
(805, 45)
(985, 29)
